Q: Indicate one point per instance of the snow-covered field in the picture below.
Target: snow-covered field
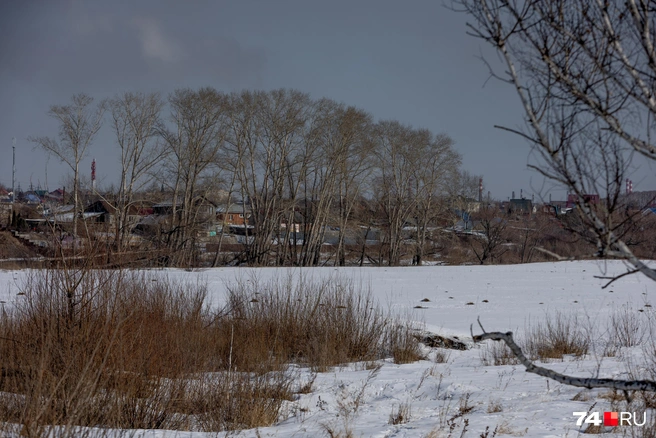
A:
(354, 398)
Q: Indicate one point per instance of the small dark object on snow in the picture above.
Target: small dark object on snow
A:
(433, 340)
(485, 301)
(470, 303)
(425, 300)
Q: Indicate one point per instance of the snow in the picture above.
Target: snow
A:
(361, 400)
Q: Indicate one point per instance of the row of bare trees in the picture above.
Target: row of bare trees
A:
(293, 160)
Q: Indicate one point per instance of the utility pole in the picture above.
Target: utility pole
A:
(93, 176)
(13, 172)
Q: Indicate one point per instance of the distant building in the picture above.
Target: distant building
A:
(55, 196)
(520, 206)
(203, 205)
(233, 214)
(572, 199)
(554, 208)
(108, 212)
(4, 195)
(31, 198)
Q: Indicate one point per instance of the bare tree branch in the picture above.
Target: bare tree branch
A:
(621, 385)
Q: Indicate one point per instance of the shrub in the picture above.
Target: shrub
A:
(402, 343)
(626, 327)
(319, 324)
(556, 336)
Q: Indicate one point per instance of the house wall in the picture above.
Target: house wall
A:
(5, 214)
(231, 218)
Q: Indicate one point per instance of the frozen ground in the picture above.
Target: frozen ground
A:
(504, 297)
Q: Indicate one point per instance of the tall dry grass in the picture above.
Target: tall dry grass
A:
(125, 350)
(318, 323)
(131, 350)
(557, 335)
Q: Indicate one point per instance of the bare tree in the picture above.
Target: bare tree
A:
(489, 235)
(584, 72)
(193, 144)
(135, 117)
(266, 133)
(413, 169)
(79, 122)
(528, 234)
(338, 140)
(462, 194)
(350, 154)
(397, 157)
(436, 168)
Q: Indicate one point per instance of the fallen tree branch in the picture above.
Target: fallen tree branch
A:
(621, 385)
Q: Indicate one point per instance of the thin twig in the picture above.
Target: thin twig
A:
(614, 279)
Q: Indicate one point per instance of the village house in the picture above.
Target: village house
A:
(204, 216)
(206, 208)
(107, 212)
(520, 206)
(233, 214)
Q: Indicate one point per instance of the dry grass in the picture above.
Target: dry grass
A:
(128, 350)
(505, 428)
(556, 336)
(315, 323)
(494, 406)
(118, 349)
(333, 432)
(496, 354)
(401, 414)
(626, 327)
(442, 356)
(402, 344)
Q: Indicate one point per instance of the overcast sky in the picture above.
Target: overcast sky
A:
(410, 61)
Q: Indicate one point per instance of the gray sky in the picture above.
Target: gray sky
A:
(410, 61)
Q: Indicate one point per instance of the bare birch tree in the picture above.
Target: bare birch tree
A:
(338, 147)
(397, 157)
(584, 72)
(193, 144)
(350, 151)
(265, 136)
(135, 117)
(79, 122)
(436, 167)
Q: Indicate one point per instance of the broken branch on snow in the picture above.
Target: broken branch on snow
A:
(621, 385)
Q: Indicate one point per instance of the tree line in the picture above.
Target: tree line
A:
(291, 159)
